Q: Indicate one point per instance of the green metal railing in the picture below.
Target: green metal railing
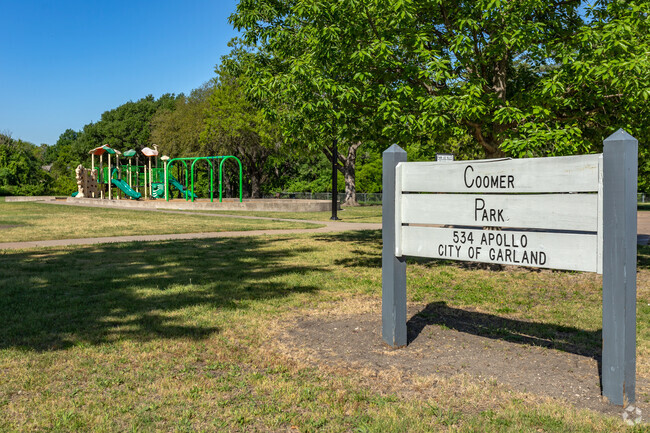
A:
(221, 176)
(209, 160)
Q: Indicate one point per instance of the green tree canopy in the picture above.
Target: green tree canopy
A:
(177, 131)
(127, 126)
(20, 168)
(504, 73)
(233, 126)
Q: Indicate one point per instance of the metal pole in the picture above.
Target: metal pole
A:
(166, 183)
(192, 174)
(145, 181)
(150, 179)
(92, 169)
(137, 173)
(334, 181)
(101, 175)
(110, 190)
(393, 269)
(211, 181)
(619, 267)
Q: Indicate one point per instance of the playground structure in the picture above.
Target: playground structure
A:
(148, 181)
(86, 182)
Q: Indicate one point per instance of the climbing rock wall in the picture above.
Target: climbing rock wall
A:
(86, 182)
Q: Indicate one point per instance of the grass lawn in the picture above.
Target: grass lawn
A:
(350, 214)
(38, 221)
(179, 336)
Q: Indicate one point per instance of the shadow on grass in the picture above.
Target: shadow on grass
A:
(53, 299)
(563, 338)
(363, 238)
(643, 257)
(358, 236)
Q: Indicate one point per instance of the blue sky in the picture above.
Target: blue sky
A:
(62, 64)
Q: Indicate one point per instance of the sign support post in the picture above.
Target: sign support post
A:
(619, 267)
(393, 269)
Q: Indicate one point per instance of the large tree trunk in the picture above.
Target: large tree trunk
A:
(347, 166)
(255, 185)
(490, 135)
(486, 140)
(349, 174)
(254, 157)
(498, 153)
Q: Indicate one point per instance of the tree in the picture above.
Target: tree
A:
(234, 126)
(603, 82)
(396, 71)
(178, 130)
(124, 127)
(20, 168)
(312, 113)
(64, 156)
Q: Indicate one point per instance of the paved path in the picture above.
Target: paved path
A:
(643, 227)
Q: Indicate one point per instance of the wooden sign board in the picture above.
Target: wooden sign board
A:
(528, 175)
(551, 205)
(521, 248)
(575, 213)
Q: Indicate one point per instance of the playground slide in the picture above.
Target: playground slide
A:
(158, 190)
(126, 189)
(180, 187)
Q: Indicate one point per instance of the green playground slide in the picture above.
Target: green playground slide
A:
(158, 190)
(180, 187)
(126, 189)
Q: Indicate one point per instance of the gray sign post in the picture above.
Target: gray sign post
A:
(619, 267)
(393, 269)
(613, 174)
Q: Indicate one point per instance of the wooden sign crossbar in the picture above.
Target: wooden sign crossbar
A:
(574, 213)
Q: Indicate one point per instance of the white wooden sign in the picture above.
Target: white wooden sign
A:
(504, 175)
(537, 249)
(576, 213)
(551, 203)
(535, 211)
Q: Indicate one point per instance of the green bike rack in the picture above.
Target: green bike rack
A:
(209, 160)
(168, 168)
(221, 176)
(204, 158)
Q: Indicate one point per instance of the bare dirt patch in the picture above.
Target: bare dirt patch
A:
(445, 342)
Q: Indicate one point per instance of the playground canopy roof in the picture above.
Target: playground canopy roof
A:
(129, 153)
(149, 152)
(104, 149)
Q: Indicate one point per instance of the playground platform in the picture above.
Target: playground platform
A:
(269, 205)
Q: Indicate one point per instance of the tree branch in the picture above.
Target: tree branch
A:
(328, 154)
(478, 135)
